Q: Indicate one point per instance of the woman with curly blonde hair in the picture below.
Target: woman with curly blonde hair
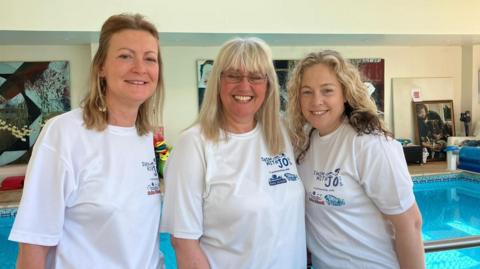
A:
(355, 175)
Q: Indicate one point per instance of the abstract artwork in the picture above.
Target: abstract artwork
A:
(283, 69)
(204, 67)
(30, 94)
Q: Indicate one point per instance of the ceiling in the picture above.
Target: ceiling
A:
(216, 39)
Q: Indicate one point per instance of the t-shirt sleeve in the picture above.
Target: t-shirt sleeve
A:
(48, 185)
(184, 186)
(384, 174)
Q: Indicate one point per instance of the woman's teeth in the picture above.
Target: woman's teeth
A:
(242, 98)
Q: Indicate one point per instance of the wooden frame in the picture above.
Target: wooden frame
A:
(434, 123)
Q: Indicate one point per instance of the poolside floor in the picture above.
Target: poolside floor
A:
(428, 168)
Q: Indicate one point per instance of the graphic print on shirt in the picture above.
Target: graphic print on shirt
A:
(279, 169)
(153, 187)
(326, 185)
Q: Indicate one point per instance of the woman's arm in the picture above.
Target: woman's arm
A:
(408, 238)
(32, 256)
(189, 254)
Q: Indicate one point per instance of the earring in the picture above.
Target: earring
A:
(101, 107)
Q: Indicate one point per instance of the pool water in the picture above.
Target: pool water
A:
(448, 203)
(9, 249)
(449, 207)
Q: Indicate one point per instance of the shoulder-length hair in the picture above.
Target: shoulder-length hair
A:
(252, 55)
(95, 114)
(360, 108)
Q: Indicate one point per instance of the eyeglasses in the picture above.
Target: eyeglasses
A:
(235, 78)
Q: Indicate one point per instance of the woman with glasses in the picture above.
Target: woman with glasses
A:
(233, 197)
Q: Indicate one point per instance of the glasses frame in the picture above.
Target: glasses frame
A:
(236, 78)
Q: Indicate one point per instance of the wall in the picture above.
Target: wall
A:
(475, 83)
(266, 16)
(180, 74)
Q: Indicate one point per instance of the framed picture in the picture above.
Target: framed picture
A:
(30, 94)
(283, 69)
(372, 72)
(434, 123)
(204, 67)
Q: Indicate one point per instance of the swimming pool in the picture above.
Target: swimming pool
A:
(448, 202)
(449, 205)
(8, 249)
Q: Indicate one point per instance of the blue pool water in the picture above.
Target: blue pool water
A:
(8, 249)
(449, 205)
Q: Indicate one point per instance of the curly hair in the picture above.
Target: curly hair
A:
(360, 108)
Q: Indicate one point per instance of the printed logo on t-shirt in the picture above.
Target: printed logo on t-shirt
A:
(316, 197)
(329, 179)
(329, 199)
(153, 187)
(326, 184)
(279, 168)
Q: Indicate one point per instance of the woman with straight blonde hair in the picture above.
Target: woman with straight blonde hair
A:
(360, 207)
(92, 194)
(233, 198)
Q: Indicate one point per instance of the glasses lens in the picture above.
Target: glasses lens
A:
(256, 79)
(237, 78)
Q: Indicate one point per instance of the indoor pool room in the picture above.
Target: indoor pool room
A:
(253, 131)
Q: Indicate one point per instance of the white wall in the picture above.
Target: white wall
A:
(475, 89)
(78, 56)
(181, 106)
(252, 16)
(180, 74)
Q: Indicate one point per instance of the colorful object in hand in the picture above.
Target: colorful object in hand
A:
(161, 151)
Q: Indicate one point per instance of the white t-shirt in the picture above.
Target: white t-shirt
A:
(94, 195)
(245, 206)
(350, 180)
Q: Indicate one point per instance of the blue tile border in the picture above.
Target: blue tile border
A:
(450, 177)
(8, 212)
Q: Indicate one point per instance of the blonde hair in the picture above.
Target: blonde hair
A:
(252, 55)
(360, 109)
(95, 114)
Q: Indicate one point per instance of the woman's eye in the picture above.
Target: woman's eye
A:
(306, 92)
(234, 77)
(151, 59)
(124, 56)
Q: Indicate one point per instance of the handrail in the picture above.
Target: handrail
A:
(448, 244)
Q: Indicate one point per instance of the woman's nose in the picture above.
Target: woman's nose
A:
(139, 66)
(318, 98)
